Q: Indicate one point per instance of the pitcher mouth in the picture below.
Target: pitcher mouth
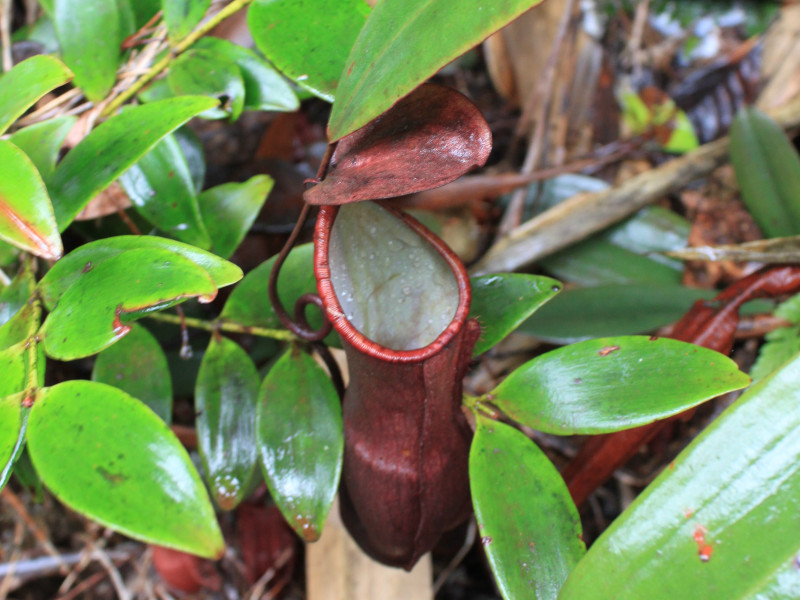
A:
(338, 316)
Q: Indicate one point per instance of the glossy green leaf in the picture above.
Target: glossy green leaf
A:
(89, 34)
(609, 384)
(106, 455)
(42, 141)
(192, 149)
(28, 81)
(26, 215)
(781, 344)
(13, 425)
(226, 394)
(308, 40)
(111, 148)
(181, 16)
(584, 313)
(264, 88)
(19, 327)
(230, 209)
(767, 168)
(13, 365)
(202, 72)
(249, 303)
(161, 187)
(529, 526)
(81, 261)
(299, 428)
(405, 42)
(717, 523)
(136, 365)
(91, 314)
(144, 10)
(16, 295)
(501, 302)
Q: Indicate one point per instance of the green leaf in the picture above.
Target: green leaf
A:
(782, 343)
(299, 425)
(264, 88)
(14, 369)
(609, 384)
(181, 16)
(28, 81)
(501, 302)
(192, 149)
(13, 425)
(19, 327)
(308, 40)
(602, 311)
(715, 525)
(767, 168)
(202, 72)
(136, 365)
(529, 526)
(249, 302)
(89, 34)
(226, 394)
(81, 261)
(26, 215)
(91, 314)
(405, 42)
(229, 210)
(16, 294)
(111, 148)
(42, 141)
(144, 10)
(109, 457)
(161, 188)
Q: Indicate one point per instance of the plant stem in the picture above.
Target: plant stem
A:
(32, 349)
(220, 325)
(180, 47)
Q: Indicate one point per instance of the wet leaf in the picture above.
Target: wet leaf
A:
(300, 439)
(42, 141)
(402, 44)
(529, 526)
(91, 314)
(229, 210)
(111, 148)
(203, 72)
(430, 138)
(609, 384)
(26, 215)
(89, 34)
(161, 188)
(28, 81)
(136, 365)
(714, 524)
(773, 251)
(13, 424)
(308, 40)
(264, 88)
(81, 261)
(106, 455)
(226, 394)
(767, 168)
(502, 302)
(584, 313)
(181, 16)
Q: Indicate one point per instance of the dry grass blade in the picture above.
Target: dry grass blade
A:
(772, 251)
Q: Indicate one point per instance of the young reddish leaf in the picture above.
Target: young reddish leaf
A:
(89, 34)
(28, 81)
(430, 138)
(13, 425)
(42, 141)
(26, 215)
(81, 261)
(299, 425)
(203, 72)
(91, 314)
(308, 41)
(403, 43)
(181, 16)
(106, 455)
(229, 210)
(715, 524)
(529, 526)
(502, 302)
(610, 384)
(161, 188)
(225, 400)
(112, 147)
(136, 364)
